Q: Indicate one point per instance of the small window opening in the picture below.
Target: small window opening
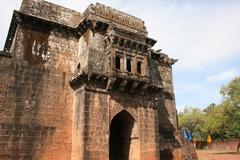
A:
(78, 66)
(134, 45)
(128, 44)
(139, 68)
(129, 67)
(121, 43)
(117, 62)
(139, 48)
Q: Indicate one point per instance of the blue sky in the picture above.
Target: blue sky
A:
(204, 35)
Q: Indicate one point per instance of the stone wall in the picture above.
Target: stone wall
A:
(227, 145)
(36, 100)
(96, 126)
(231, 145)
(91, 126)
(97, 62)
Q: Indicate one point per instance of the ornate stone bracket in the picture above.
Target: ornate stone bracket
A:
(109, 84)
(163, 58)
(134, 86)
(126, 43)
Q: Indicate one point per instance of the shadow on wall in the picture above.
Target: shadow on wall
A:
(169, 140)
(166, 154)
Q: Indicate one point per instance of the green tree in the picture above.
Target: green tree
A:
(231, 108)
(214, 122)
(193, 119)
(222, 120)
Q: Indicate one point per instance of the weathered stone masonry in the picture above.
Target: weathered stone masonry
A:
(84, 86)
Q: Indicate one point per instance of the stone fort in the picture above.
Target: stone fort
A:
(84, 86)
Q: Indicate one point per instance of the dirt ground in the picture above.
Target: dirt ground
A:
(213, 155)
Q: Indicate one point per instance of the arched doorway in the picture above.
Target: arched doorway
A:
(120, 136)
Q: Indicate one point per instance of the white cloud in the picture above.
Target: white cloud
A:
(226, 75)
(199, 97)
(188, 88)
(180, 108)
(199, 33)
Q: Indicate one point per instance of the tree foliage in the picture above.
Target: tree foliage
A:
(231, 105)
(193, 119)
(222, 121)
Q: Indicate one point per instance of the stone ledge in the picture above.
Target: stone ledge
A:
(103, 82)
(5, 54)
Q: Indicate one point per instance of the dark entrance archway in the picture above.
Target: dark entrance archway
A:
(120, 136)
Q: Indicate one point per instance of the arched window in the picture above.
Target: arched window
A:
(78, 66)
(118, 62)
(139, 67)
(129, 67)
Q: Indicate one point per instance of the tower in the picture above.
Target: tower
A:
(85, 86)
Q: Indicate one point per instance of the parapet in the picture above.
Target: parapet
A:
(51, 12)
(115, 16)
